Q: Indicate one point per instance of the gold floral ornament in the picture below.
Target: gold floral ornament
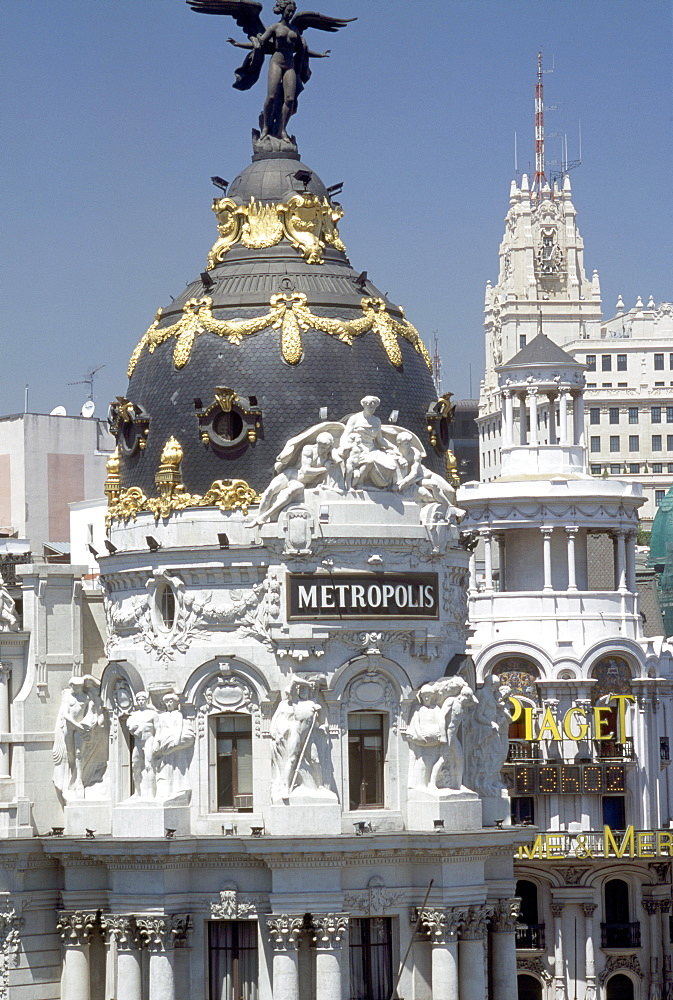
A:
(288, 313)
(306, 221)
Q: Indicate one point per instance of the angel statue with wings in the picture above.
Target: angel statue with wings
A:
(284, 42)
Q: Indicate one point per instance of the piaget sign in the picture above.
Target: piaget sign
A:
(363, 595)
(609, 844)
(577, 723)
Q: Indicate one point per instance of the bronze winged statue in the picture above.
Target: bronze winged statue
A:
(284, 42)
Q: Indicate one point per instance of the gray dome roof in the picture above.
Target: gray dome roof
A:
(176, 371)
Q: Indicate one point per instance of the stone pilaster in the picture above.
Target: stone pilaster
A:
(502, 943)
(588, 909)
(328, 933)
(559, 962)
(285, 931)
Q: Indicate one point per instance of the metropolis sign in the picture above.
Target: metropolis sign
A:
(363, 595)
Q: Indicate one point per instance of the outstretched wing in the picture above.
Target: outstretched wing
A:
(245, 12)
(311, 19)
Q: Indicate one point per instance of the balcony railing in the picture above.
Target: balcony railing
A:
(530, 936)
(664, 748)
(620, 935)
(523, 750)
(612, 750)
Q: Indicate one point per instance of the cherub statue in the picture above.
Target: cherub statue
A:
(289, 68)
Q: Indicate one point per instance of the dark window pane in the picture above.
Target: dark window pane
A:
(371, 958)
(232, 959)
(365, 760)
(614, 812)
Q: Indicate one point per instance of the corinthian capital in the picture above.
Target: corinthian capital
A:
(163, 933)
(328, 929)
(441, 925)
(505, 913)
(476, 922)
(76, 926)
(284, 930)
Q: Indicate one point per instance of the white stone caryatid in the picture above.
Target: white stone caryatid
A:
(142, 725)
(75, 928)
(301, 743)
(502, 943)
(285, 931)
(328, 934)
(121, 931)
(8, 617)
(80, 739)
(172, 749)
(160, 935)
(487, 738)
(433, 732)
(471, 965)
(442, 926)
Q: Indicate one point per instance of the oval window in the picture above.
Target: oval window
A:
(228, 425)
(167, 607)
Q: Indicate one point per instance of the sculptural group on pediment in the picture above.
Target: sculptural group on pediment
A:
(360, 454)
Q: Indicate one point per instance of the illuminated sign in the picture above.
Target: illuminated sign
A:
(631, 843)
(568, 779)
(363, 595)
(577, 724)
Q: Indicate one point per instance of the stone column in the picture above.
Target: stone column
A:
(620, 565)
(507, 419)
(488, 560)
(589, 961)
(76, 928)
(328, 932)
(664, 910)
(551, 397)
(473, 570)
(563, 416)
(5, 725)
(285, 931)
(160, 936)
(500, 539)
(559, 964)
(651, 907)
(503, 949)
(571, 534)
(523, 420)
(442, 928)
(631, 561)
(532, 401)
(471, 979)
(578, 419)
(121, 930)
(546, 557)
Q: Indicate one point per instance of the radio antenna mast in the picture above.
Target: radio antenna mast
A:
(437, 365)
(88, 380)
(540, 179)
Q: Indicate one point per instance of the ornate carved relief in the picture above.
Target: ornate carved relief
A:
(505, 913)
(163, 933)
(76, 926)
(536, 967)
(375, 900)
(441, 925)
(328, 929)
(231, 906)
(620, 963)
(284, 930)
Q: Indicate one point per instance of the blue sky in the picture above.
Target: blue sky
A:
(117, 113)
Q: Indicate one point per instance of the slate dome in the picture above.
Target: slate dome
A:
(277, 333)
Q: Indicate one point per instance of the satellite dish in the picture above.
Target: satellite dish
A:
(89, 408)
(58, 411)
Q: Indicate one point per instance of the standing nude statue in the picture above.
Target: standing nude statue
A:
(142, 724)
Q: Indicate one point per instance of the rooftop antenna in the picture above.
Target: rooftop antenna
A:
(539, 180)
(516, 159)
(88, 380)
(436, 365)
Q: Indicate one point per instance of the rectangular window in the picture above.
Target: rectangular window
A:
(370, 949)
(591, 362)
(595, 444)
(634, 442)
(669, 442)
(606, 385)
(633, 414)
(233, 748)
(594, 415)
(670, 467)
(658, 362)
(365, 760)
(621, 362)
(634, 467)
(658, 497)
(595, 470)
(614, 812)
(658, 385)
(656, 442)
(655, 414)
(614, 414)
(669, 414)
(622, 385)
(614, 442)
(606, 362)
(523, 808)
(657, 467)
(232, 959)
(522, 340)
(670, 361)
(615, 469)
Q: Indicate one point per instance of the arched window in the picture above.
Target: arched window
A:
(619, 987)
(530, 932)
(528, 988)
(617, 929)
(167, 606)
(520, 674)
(617, 901)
